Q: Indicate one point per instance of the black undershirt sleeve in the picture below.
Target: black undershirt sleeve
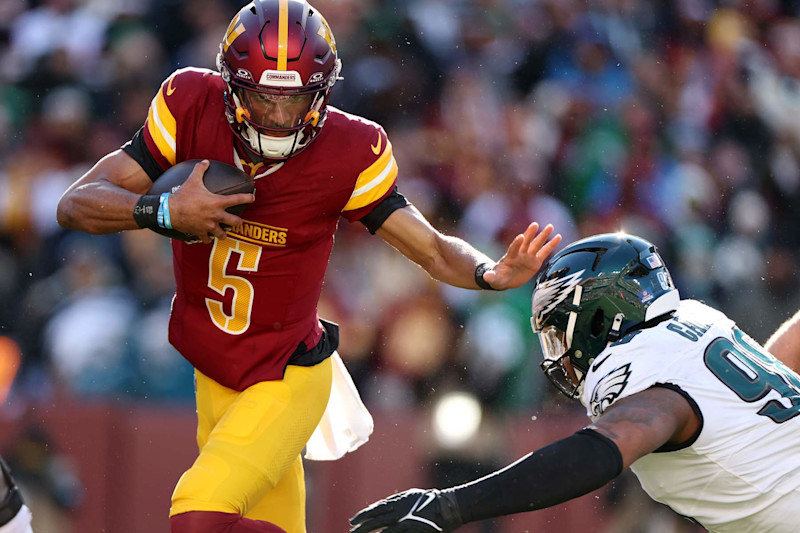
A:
(566, 469)
(137, 149)
(375, 218)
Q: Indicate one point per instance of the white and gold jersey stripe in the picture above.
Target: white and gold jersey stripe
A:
(161, 124)
(375, 180)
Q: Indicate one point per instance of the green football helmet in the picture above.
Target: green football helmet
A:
(593, 293)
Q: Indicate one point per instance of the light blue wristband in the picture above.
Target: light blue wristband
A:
(163, 218)
(167, 218)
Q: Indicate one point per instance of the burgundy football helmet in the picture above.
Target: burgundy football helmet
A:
(279, 61)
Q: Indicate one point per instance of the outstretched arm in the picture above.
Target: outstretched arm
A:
(453, 261)
(566, 469)
(785, 343)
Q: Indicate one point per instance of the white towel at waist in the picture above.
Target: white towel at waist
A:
(346, 423)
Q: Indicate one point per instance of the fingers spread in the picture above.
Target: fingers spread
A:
(530, 233)
(236, 199)
(541, 238)
(515, 246)
(230, 220)
(198, 171)
(218, 232)
(549, 248)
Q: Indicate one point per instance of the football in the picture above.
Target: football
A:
(220, 178)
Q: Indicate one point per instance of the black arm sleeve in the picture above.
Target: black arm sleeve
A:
(375, 218)
(566, 469)
(137, 149)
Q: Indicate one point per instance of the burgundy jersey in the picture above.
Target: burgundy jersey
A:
(243, 305)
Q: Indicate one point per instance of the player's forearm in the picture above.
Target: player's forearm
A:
(444, 258)
(564, 470)
(785, 343)
(455, 262)
(98, 207)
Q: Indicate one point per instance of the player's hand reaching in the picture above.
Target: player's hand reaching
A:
(196, 210)
(411, 511)
(525, 256)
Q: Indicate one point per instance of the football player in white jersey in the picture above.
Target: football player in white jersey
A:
(706, 418)
(15, 517)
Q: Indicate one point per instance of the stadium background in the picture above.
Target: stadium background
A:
(676, 120)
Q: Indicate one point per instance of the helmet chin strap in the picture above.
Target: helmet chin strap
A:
(573, 316)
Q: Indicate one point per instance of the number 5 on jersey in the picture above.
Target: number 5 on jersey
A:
(220, 281)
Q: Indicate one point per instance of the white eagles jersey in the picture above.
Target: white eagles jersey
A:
(741, 472)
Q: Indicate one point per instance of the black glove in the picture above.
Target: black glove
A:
(411, 511)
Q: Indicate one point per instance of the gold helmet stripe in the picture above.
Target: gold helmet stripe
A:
(283, 33)
(235, 29)
(325, 32)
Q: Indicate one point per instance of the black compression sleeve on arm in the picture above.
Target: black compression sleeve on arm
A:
(566, 469)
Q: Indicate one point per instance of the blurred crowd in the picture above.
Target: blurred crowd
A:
(675, 120)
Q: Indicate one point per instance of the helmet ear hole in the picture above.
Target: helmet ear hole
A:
(598, 321)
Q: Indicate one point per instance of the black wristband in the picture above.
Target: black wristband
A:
(145, 213)
(479, 281)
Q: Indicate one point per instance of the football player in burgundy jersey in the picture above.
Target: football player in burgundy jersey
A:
(245, 308)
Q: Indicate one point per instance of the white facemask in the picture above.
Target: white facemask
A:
(272, 147)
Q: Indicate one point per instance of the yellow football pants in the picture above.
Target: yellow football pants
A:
(250, 444)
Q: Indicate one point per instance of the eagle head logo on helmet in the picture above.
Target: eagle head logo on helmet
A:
(278, 59)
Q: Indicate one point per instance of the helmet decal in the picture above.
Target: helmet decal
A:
(325, 32)
(283, 33)
(235, 29)
(654, 261)
(554, 291)
(281, 78)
